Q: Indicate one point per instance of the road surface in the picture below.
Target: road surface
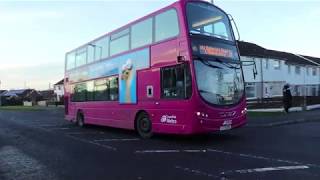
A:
(41, 145)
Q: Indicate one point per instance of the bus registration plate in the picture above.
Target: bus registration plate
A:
(226, 125)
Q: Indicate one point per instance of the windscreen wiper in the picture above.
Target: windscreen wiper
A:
(204, 91)
(206, 62)
(226, 64)
(195, 31)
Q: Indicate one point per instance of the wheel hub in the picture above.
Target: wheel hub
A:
(145, 125)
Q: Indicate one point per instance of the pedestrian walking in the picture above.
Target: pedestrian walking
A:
(287, 98)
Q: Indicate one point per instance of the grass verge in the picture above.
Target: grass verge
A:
(20, 108)
(264, 114)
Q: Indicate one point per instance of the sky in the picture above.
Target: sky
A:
(34, 36)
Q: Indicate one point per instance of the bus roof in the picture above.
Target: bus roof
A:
(131, 23)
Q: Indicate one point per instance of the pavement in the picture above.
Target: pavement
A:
(293, 109)
(284, 118)
(41, 145)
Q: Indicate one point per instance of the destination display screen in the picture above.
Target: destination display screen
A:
(214, 51)
(208, 47)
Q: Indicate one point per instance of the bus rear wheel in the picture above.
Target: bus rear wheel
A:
(80, 119)
(144, 126)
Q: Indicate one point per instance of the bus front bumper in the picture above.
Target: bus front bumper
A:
(212, 125)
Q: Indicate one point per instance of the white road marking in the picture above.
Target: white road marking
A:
(157, 151)
(107, 140)
(242, 171)
(196, 172)
(49, 125)
(256, 157)
(17, 165)
(172, 151)
(84, 132)
(43, 124)
(280, 168)
(60, 128)
(195, 150)
(264, 158)
(92, 142)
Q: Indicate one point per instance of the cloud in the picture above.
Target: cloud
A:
(9, 66)
(25, 16)
(36, 76)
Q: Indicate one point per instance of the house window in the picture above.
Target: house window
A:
(308, 71)
(266, 63)
(276, 64)
(297, 90)
(289, 69)
(298, 70)
(250, 90)
(313, 91)
(314, 71)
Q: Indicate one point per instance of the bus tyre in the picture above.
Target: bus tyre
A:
(80, 120)
(144, 126)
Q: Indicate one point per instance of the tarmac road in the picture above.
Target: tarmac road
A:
(42, 145)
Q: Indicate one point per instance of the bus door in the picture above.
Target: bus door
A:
(175, 91)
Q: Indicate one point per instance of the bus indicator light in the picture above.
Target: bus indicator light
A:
(244, 111)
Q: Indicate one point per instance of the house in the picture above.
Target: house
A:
(16, 97)
(1, 97)
(59, 90)
(276, 68)
(2, 92)
(47, 95)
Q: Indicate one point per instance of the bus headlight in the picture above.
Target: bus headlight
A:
(244, 111)
(201, 114)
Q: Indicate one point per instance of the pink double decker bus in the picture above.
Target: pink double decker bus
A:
(175, 71)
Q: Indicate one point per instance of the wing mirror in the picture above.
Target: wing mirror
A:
(254, 67)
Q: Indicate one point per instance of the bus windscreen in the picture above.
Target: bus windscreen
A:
(208, 20)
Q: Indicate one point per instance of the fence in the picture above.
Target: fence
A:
(276, 102)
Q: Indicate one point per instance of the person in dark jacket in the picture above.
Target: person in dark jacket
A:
(287, 97)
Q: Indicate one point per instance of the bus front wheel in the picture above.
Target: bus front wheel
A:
(144, 125)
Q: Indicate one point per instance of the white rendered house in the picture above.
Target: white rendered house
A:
(275, 69)
(59, 90)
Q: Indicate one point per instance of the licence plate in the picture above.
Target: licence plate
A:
(225, 127)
